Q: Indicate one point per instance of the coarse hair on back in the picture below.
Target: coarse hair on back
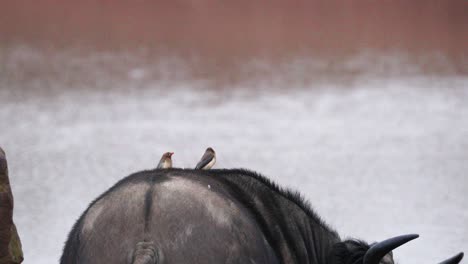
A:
(251, 178)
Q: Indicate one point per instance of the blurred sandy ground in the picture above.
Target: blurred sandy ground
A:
(363, 108)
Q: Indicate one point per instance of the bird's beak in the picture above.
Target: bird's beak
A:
(171, 153)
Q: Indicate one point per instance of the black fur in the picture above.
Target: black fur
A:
(148, 204)
(286, 217)
(348, 252)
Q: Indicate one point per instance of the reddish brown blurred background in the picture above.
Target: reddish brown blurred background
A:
(233, 30)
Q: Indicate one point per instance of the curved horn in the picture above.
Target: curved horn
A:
(377, 251)
(453, 260)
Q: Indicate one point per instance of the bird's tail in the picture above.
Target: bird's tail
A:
(145, 253)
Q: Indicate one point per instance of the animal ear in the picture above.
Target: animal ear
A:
(388, 259)
(348, 251)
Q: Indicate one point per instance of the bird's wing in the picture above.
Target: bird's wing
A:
(160, 164)
(207, 157)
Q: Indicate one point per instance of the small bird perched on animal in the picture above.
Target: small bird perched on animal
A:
(207, 161)
(166, 161)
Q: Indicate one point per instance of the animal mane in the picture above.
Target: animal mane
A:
(293, 196)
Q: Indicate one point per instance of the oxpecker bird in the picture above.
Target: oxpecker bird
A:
(166, 161)
(207, 161)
